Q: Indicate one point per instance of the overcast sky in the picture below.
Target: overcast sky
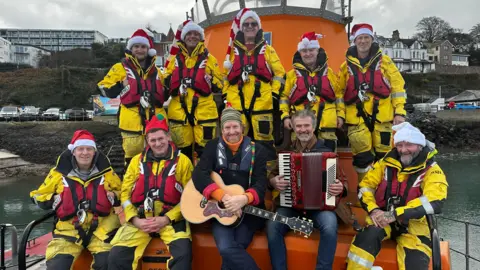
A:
(120, 18)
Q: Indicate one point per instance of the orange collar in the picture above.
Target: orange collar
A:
(233, 146)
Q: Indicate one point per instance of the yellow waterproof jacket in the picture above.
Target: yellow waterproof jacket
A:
(388, 107)
(129, 119)
(264, 102)
(54, 185)
(434, 189)
(206, 108)
(329, 115)
(183, 174)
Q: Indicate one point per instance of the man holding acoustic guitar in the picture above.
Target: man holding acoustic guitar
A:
(303, 123)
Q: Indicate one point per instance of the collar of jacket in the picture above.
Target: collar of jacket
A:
(392, 159)
(150, 63)
(66, 163)
(299, 148)
(322, 60)
(240, 40)
(149, 157)
(375, 53)
(199, 49)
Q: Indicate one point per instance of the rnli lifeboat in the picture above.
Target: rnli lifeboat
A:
(283, 22)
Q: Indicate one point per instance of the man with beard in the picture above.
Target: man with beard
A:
(397, 193)
(303, 123)
(373, 98)
(139, 84)
(193, 76)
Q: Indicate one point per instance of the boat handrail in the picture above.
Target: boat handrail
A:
(14, 242)
(22, 253)
(466, 254)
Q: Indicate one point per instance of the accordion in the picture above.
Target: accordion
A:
(310, 175)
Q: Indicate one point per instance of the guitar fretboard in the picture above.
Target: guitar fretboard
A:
(264, 214)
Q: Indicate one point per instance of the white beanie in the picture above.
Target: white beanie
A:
(405, 132)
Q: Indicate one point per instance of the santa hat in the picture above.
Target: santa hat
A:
(405, 132)
(309, 41)
(82, 138)
(359, 29)
(141, 37)
(157, 122)
(182, 31)
(239, 19)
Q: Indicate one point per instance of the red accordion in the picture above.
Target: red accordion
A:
(310, 175)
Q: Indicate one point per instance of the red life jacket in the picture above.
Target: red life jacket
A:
(256, 65)
(378, 85)
(321, 87)
(74, 194)
(406, 190)
(138, 86)
(194, 78)
(165, 182)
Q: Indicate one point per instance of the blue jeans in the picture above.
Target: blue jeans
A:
(232, 244)
(325, 221)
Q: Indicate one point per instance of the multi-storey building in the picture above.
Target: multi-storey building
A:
(53, 39)
(28, 55)
(5, 51)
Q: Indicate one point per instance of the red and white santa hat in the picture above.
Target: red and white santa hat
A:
(157, 122)
(309, 41)
(82, 138)
(359, 29)
(239, 19)
(141, 37)
(182, 31)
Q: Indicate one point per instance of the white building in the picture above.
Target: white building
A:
(5, 51)
(53, 39)
(460, 59)
(409, 55)
(28, 55)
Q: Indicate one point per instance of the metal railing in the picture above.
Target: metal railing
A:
(467, 255)
(3, 230)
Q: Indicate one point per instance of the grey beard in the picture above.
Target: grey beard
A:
(407, 162)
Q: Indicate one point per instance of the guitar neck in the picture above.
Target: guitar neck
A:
(265, 214)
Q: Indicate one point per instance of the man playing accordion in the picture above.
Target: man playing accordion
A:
(303, 123)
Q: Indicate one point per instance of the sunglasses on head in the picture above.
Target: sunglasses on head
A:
(252, 24)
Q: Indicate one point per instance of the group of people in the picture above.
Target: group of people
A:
(398, 185)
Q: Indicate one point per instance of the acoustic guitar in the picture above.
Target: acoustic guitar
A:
(197, 209)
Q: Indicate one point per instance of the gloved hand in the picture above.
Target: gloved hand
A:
(144, 102)
(56, 201)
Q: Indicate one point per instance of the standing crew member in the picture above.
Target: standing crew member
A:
(373, 98)
(193, 76)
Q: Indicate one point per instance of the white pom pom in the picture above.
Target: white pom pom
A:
(152, 52)
(227, 64)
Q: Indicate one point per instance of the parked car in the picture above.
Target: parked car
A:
(29, 113)
(10, 113)
(76, 114)
(51, 114)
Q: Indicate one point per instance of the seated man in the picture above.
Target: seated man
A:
(402, 188)
(303, 123)
(82, 189)
(238, 160)
(150, 198)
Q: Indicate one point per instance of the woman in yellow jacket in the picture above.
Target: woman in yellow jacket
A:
(150, 197)
(82, 189)
(373, 97)
(138, 83)
(311, 85)
(254, 76)
(192, 75)
(398, 193)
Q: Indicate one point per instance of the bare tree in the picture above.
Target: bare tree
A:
(433, 29)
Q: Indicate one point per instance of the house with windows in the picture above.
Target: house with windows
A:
(409, 55)
(445, 53)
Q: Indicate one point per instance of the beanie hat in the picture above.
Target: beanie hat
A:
(359, 29)
(141, 37)
(309, 41)
(82, 138)
(405, 132)
(182, 31)
(230, 114)
(239, 19)
(157, 122)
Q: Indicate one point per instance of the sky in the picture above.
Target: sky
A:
(120, 18)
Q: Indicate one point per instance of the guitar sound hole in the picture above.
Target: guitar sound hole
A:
(221, 205)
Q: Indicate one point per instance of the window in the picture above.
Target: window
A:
(445, 57)
(445, 48)
(423, 55)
